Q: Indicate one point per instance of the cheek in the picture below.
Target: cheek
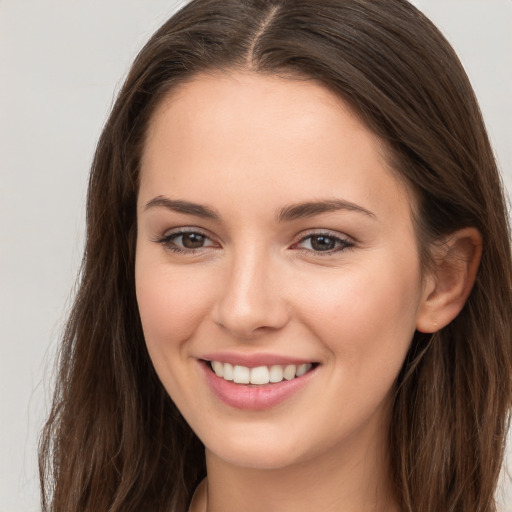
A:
(366, 321)
(367, 316)
(171, 304)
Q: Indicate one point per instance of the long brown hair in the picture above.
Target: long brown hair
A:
(114, 439)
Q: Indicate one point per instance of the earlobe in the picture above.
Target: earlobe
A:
(447, 287)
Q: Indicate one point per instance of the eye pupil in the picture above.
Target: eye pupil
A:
(192, 240)
(323, 243)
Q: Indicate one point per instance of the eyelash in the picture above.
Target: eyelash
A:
(168, 241)
(341, 244)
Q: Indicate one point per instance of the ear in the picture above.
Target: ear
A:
(448, 285)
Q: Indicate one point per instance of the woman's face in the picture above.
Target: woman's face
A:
(273, 240)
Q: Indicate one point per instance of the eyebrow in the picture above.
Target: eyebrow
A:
(186, 207)
(286, 214)
(312, 208)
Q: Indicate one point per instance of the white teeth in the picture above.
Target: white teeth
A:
(289, 372)
(259, 375)
(218, 368)
(301, 370)
(276, 373)
(228, 371)
(241, 374)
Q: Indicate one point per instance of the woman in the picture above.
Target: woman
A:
(296, 286)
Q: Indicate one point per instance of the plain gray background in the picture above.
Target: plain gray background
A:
(61, 62)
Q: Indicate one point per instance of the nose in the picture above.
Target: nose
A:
(251, 299)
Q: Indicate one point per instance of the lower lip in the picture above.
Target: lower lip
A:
(254, 398)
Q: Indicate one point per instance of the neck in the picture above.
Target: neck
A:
(352, 478)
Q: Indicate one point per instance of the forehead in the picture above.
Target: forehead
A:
(257, 133)
(251, 100)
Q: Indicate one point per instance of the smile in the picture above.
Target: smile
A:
(259, 375)
(256, 387)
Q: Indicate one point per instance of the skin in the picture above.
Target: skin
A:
(247, 146)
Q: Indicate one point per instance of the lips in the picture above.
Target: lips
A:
(252, 385)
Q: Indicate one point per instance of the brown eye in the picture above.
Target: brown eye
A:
(187, 241)
(323, 243)
(192, 240)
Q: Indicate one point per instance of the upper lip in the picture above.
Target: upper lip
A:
(254, 360)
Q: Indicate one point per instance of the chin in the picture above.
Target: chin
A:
(255, 451)
(258, 459)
